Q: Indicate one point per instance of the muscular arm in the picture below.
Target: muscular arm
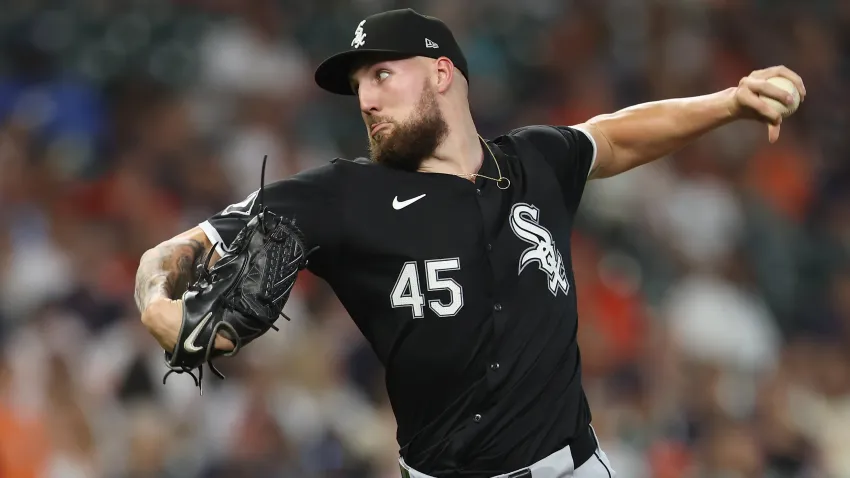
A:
(643, 133)
(646, 132)
(166, 270)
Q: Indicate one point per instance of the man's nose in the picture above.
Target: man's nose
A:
(368, 100)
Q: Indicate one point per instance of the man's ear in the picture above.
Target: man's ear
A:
(445, 74)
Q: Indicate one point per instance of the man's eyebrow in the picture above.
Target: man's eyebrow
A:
(371, 62)
(367, 65)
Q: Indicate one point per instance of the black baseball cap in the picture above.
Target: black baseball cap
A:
(393, 34)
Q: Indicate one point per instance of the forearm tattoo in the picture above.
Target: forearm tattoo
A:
(166, 271)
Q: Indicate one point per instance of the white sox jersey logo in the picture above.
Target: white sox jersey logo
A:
(524, 222)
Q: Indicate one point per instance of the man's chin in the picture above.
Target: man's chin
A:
(381, 146)
(381, 137)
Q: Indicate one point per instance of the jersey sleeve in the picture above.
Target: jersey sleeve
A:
(570, 151)
(309, 198)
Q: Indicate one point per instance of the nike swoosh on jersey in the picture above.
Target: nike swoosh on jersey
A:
(403, 204)
(189, 343)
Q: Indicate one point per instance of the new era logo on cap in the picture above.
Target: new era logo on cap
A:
(430, 44)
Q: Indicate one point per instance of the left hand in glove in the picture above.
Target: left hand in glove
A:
(163, 318)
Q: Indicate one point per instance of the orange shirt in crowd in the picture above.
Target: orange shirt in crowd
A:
(24, 445)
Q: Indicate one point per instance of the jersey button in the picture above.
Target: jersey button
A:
(497, 307)
(478, 192)
(476, 418)
(494, 366)
(489, 247)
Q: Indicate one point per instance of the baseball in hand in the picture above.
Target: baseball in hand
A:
(787, 85)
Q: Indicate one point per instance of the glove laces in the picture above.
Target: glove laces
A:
(208, 276)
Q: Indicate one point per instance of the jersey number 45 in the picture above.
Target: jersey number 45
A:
(407, 291)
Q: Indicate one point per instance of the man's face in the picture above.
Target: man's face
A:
(400, 110)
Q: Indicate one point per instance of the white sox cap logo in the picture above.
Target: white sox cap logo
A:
(359, 37)
(524, 223)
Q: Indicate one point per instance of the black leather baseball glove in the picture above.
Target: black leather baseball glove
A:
(241, 296)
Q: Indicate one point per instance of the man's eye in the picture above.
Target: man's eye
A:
(383, 74)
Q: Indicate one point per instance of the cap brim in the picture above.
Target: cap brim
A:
(333, 74)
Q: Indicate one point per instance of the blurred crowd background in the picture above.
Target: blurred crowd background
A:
(714, 285)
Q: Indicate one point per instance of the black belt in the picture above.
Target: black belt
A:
(581, 449)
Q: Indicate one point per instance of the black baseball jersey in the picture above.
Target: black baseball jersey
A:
(464, 290)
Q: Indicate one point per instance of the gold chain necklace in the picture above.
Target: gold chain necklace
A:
(502, 182)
